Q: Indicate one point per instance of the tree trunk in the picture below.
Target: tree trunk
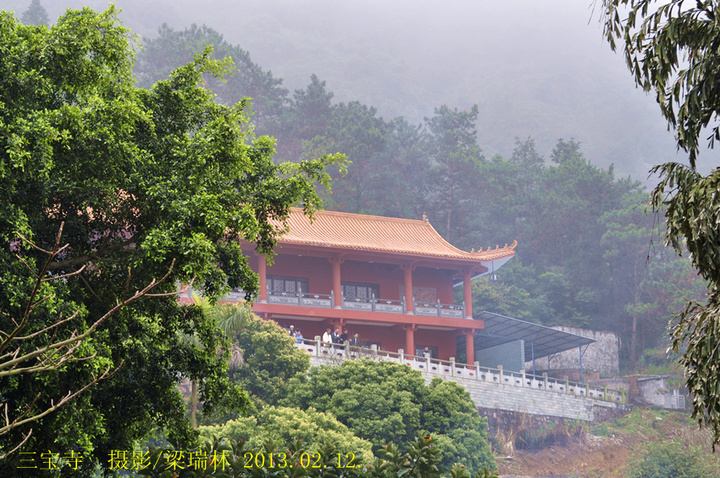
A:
(193, 404)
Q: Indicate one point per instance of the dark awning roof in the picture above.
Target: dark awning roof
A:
(540, 341)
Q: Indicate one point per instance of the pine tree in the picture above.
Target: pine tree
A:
(35, 14)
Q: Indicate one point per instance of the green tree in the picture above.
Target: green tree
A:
(307, 117)
(672, 49)
(356, 131)
(269, 356)
(454, 159)
(628, 241)
(387, 402)
(313, 109)
(649, 282)
(148, 184)
(35, 14)
(172, 49)
(286, 425)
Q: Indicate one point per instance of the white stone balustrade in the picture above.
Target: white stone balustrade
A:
(331, 354)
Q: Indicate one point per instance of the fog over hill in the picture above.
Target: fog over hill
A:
(535, 68)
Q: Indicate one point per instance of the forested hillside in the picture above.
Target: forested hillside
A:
(589, 255)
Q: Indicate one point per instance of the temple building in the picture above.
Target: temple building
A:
(391, 281)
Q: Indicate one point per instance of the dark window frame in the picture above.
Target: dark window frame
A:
(286, 285)
(367, 290)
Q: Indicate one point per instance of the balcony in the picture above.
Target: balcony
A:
(372, 304)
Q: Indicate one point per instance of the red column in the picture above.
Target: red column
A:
(467, 289)
(470, 346)
(262, 273)
(408, 268)
(337, 282)
(409, 339)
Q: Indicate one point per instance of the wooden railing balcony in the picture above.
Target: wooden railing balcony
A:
(372, 304)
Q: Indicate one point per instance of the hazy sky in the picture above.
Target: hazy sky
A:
(536, 68)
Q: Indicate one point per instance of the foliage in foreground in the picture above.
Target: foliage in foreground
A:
(147, 184)
(287, 425)
(270, 358)
(235, 459)
(671, 48)
(386, 402)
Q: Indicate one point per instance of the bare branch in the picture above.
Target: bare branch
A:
(65, 276)
(53, 326)
(54, 406)
(25, 438)
(27, 266)
(31, 301)
(98, 254)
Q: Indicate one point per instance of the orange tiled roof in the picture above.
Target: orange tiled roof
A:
(375, 233)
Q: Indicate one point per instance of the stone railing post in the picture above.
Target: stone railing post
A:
(605, 397)
(500, 368)
(452, 366)
(567, 384)
(317, 345)
(427, 363)
(545, 381)
(523, 379)
(477, 370)
(401, 353)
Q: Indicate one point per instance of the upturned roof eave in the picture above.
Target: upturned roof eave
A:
(474, 259)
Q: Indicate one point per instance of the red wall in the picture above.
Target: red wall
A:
(390, 277)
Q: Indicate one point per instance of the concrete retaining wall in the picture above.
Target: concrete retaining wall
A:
(527, 400)
(602, 356)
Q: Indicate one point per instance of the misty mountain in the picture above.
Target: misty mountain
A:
(539, 69)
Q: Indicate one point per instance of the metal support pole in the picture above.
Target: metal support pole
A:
(532, 349)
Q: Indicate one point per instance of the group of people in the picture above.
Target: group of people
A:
(340, 337)
(297, 333)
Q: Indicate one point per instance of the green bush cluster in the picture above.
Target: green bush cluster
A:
(672, 459)
(386, 402)
(235, 459)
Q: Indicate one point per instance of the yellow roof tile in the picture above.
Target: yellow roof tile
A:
(361, 232)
